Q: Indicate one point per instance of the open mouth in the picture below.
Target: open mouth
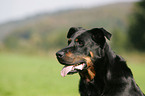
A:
(71, 69)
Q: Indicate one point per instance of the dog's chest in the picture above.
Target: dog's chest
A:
(88, 88)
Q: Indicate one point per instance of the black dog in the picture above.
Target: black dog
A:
(102, 72)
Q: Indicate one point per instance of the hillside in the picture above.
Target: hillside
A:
(47, 31)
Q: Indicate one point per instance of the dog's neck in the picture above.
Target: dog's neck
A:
(109, 53)
(88, 74)
(105, 62)
(97, 71)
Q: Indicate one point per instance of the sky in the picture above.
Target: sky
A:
(20, 9)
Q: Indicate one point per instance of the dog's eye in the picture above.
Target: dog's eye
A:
(80, 43)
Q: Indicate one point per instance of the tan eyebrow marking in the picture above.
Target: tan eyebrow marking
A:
(69, 39)
(69, 54)
(77, 40)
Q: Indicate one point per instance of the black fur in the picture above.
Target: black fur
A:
(112, 75)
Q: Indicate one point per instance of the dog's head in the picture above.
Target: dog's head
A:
(84, 48)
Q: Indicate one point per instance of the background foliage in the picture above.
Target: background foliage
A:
(45, 32)
(136, 32)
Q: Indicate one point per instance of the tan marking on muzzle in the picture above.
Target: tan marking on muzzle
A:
(69, 54)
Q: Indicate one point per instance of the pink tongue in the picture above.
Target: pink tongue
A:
(65, 70)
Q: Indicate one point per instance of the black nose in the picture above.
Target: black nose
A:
(60, 54)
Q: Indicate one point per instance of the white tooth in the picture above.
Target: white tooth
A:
(79, 67)
(66, 70)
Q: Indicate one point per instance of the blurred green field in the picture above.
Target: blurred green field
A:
(22, 75)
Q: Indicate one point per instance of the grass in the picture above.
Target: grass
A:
(34, 76)
(22, 75)
(138, 72)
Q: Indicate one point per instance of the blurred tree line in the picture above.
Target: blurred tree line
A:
(136, 32)
(48, 32)
(31, 40)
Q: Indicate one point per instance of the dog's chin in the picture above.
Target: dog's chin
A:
(69, 69)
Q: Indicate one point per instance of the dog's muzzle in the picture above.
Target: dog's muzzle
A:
(70, 68)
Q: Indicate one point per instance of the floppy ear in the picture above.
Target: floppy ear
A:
(73, 30)
(99, 34)
(106, 33)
